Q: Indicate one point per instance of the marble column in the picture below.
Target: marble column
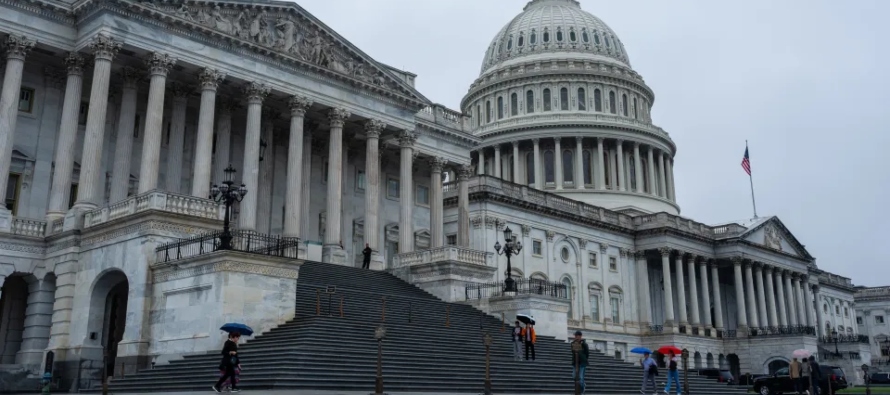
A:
(267, 167)
(516, 162)
(17, 48)
(293, 199)
(406, 191)
(179, 106)
(481, 162)
(209, 80)
(255, 93)
(38, 322)
(126, 124)
(668, 288)
(332, 251)
(771, 297)
(740, 294)
(64, 158)
(669, 163)
(792, 302)
(437, 215)
(373, 128)
(638, 168)
(718, 302)
(820, 328)
(705, 293)
(89, 196)
(801, 309)
(622, 176)
(753, 317)
(653, 185)
(808, 305)
(761, 294)
(306, 189)
(159, 65)
(645, 309)
(662, 180)
(222, 158)
(497, 162)
(693, 290)
(781, 296)
(681, 291)
(539, 179)
(600, 164)
(557, 161)
(463, 206)
(579, 163)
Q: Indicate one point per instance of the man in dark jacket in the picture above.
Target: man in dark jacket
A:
(580, 355)
(229, 362)
(366, 259)
(815, 376)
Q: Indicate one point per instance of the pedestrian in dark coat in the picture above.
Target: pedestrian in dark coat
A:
(366, 257)
(229, 363)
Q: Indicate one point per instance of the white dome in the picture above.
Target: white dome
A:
(554, 29)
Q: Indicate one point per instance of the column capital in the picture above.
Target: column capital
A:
(338, 116)
(536, 141)
(74, 63)
(497, 147)
(181, 91)
(705, 260)
(256, 92)
(712, 263)
(437, 163)
(665, 251)
(736, 260)
(464, 172)
(758, 266)
(130, 76)
(795, 276)
(407, 138)
(515, 143)
(640, 255)
(600, 140)
(636, 145)
(298, 105)
(374, 127)
(104, 47)
(579, 139)
(17, 47)
(804, 277)
(159, 63)
(210, 78)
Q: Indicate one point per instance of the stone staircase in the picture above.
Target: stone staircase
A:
(420, 353)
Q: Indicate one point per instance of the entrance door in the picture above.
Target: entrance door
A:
(392, 249)
(115, 323)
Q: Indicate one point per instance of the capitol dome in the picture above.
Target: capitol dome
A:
(549, 27)
(559, 108)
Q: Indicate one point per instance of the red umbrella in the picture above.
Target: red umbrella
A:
(665, 350)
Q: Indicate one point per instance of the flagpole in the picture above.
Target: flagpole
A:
(751, 180)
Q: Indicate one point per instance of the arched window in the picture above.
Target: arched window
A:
(612, 105)
(510, 43)
(500, 107)
(564, 99)
(568, 284)
(529, 101)
(547, 102)
(597, 100)
(568, 166)
(546, 35)
(549, 174)
(521, 39)
(624, 104)
(573, 37)
(488, 112)
(533, 39)
(493, 48)
(607, 41)
(615, 296)
(617, 46)
(586, 167)
(595, 292)
(636, 114)
(530, 168)
(585, 36)
(582, 100)
(559, 34)
(596, 38)
(478, 115)
(514, 105)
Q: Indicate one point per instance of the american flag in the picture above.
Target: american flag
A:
(746, 162)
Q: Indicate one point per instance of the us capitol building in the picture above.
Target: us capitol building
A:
(118, 116)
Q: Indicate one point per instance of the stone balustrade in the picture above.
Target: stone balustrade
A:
(442, 115)
(28, 227)
(155, 200)
(447, 253)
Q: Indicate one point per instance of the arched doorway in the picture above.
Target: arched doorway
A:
(709, 359)
(721, 362)
(776, 364)
(108, 314)
(13, 305)
(697, 360)
(734, 366)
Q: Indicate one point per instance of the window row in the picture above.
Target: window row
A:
(547, 36)
(393, 186)
(609, 102)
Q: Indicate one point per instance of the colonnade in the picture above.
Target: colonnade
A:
(581, 163)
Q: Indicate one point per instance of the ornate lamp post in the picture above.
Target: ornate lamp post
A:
(834, 337)
(487, 341)
(685, 356)
(227, 194)
(867, 379)
(379, 334)
(511, 247)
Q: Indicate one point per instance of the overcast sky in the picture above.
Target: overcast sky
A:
(804, 81)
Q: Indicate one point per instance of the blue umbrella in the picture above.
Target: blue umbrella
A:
(641, 350)
(241, 329)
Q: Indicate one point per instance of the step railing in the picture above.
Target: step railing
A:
(524, 286)
(241, 241)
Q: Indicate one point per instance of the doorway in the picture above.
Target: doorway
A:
(108, 315)
(13, 304)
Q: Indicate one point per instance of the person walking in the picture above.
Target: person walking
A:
(529, 337)
(815, 376)
(650, 370)
(673, 374)
(803, 383)
(229, 363)
(794, 373)
(517, 342)
(580, 355)
(366, 257)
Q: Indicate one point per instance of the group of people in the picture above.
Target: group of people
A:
(524, 336)
(805, 375)
(650, 370)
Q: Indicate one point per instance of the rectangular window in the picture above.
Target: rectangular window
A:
(422, 195)
(82, 114)
(564, 99)
(536, 247)
(858, 320)
(359, 180)
(616, 317)
(392, 188)
(26, 100)
(879, 319)
(451, 240)
(72, 197)
(591, 260)
(613, 264)
(595, 308)
(12, 192)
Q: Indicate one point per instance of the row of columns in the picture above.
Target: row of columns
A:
(660, 167)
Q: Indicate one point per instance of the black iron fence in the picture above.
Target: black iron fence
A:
(844, 339)
(524, 286)
(242, 241)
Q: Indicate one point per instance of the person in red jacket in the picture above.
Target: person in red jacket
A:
(528, 336)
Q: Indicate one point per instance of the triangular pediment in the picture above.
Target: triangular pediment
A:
(771, 233)
(289, 33)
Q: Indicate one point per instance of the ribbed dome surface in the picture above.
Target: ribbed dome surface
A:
(554, 27)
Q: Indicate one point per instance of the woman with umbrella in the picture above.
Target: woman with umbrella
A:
(673, 373)
(230, 360)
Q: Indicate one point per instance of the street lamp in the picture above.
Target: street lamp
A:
(379, 335)
(227, 194)
(511, 247)
(834, 337)
(486, 340)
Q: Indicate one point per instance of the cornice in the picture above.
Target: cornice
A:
(54, 10)
(462, 139)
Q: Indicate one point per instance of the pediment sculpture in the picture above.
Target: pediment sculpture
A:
(284, 33)
(771, 238)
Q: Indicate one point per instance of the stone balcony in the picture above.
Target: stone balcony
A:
(445, 271)
(158, 201)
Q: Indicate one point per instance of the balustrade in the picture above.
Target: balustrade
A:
(446, 253)
(155, 200)
(28, 227)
